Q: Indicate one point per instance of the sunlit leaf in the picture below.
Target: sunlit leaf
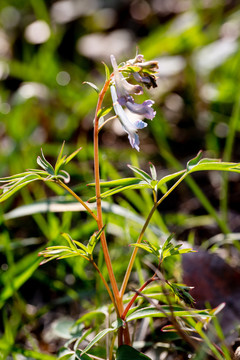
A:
(145, 176)
(167, 311)
(104, 111)
(153, 171)
(107, 71)
(140, 185)
(71, 156)
(118, 182)
(191, 163)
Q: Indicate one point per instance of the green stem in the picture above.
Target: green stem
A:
(131, 262)
(63, 185)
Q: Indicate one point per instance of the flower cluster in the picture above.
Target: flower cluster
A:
(122, 91)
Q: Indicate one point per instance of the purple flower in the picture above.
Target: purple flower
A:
(129, 125)
(142, 109)
(123, 87)
(122, 91)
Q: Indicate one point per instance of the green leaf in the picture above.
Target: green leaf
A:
(153, 171)
(107, 71)
(147, 246)
(103, 333)
(8, 191)
(60, 159)
(170, 177)
(87, 318)
(43, 163)
(70, 355)
(70, 241)
(63, 328)
(98, 337)
(80, 356)
(182, 293)
(118, 182)
(93, 240)
(92, 86)
(167, 311)
(104, 111)
(71, 156)
(126, 352)
(209, 164)
(82, 246)
(145, 176)
(191, 163)
(140, 185)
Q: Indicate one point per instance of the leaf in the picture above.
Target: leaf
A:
(191, 163)
(104, 111)
(118, 182)
(107, 71)
(170, 177)
(71, 156)
(118, 189)
(99, 336)
(63, 328)
(93, 240)
(70, 355)
(43, 163)
(145, 247)
(148, 247)
(14, 187)
(145, 176)
(167, 311)
(103, 333)
(92, 315)
(126, 352)
(92, 86)
(182, 293)
(80, 356)
(153, 171)
(60, 159)
(70, 241)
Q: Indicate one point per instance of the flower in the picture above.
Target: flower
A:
(122, 91)
(129, 125)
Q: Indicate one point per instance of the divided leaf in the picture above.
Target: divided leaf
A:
(163, 251)
(74, 248)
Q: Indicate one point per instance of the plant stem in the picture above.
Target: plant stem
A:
(131, 262)
(127, 308)
(113, 282)
(63, 185)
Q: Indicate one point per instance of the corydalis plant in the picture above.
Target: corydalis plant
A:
(122, 92)
(122, 84)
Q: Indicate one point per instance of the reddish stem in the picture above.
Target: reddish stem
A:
(153, 278)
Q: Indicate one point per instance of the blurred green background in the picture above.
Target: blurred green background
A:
(47, 50)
